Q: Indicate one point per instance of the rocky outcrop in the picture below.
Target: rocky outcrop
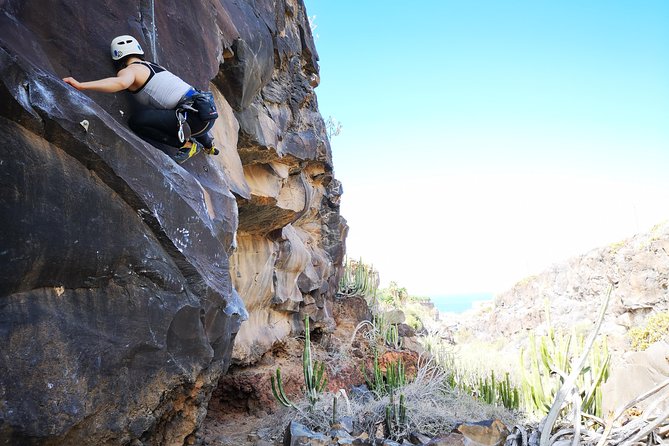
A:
(639, 373)
(119, 310)
(574, 290)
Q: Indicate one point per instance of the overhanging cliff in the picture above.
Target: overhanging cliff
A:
(125, 277)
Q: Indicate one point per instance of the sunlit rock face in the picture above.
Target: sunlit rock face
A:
(126, 277)
(637, 268)
(289, 241)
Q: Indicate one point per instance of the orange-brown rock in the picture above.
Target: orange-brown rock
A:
(484, 433)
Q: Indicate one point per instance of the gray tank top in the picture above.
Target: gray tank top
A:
(162, 89)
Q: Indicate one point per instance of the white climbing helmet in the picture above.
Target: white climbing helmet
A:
(122, 46)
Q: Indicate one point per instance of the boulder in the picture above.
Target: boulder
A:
(117, 291)
(299, 435)
(406, 331)
(393, 317)
(418, 438)
(484, 433)
(638, 373)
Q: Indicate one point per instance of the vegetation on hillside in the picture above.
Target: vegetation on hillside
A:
(403, 392)
(558, 375)
(550, 358)
(655, 329)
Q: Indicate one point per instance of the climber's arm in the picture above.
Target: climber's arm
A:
(122, 81)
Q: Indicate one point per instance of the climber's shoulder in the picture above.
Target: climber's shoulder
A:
(134, 75)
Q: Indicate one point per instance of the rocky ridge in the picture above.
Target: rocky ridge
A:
(573, 290)
(119, 309)
(636, 270)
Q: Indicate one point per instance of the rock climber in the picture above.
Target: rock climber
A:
(175, 113)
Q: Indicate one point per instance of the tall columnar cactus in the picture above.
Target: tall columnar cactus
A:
(358, 279)
(314, 375)
(508, 393)
(395, 375)
(396, 416)
(277, 390)
(375, 382)
(392, 337)
(384, 384)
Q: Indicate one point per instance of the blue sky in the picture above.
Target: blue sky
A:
(483, 141)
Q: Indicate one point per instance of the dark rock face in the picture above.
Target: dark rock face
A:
(118, 313)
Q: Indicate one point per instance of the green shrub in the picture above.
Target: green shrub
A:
(655, 329)
(413, 321)
(393, 296)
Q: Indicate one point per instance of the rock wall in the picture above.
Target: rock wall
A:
(126, 277)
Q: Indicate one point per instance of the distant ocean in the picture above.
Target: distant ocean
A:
(459, 303)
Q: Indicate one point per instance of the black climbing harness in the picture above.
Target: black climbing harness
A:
(195, 101)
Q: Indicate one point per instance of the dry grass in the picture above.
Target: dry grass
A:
(432, 408)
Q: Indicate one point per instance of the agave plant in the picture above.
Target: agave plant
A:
(548, 361)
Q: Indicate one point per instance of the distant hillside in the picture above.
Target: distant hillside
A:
(575, 288)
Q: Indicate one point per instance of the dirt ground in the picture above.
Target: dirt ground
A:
(234, 430)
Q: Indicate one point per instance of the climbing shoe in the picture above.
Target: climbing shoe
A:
(211, 150)
(185, 153)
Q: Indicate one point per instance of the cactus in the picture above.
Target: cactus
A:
(489, 389)
(394, 378)
(314, 375)
(508, 394)
(358, 279)
(486, 389)
(277, 390)
(375, 383)
(392, 337)
(396, 374)
(396, 416)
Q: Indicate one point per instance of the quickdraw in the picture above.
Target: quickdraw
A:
(184, 129)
